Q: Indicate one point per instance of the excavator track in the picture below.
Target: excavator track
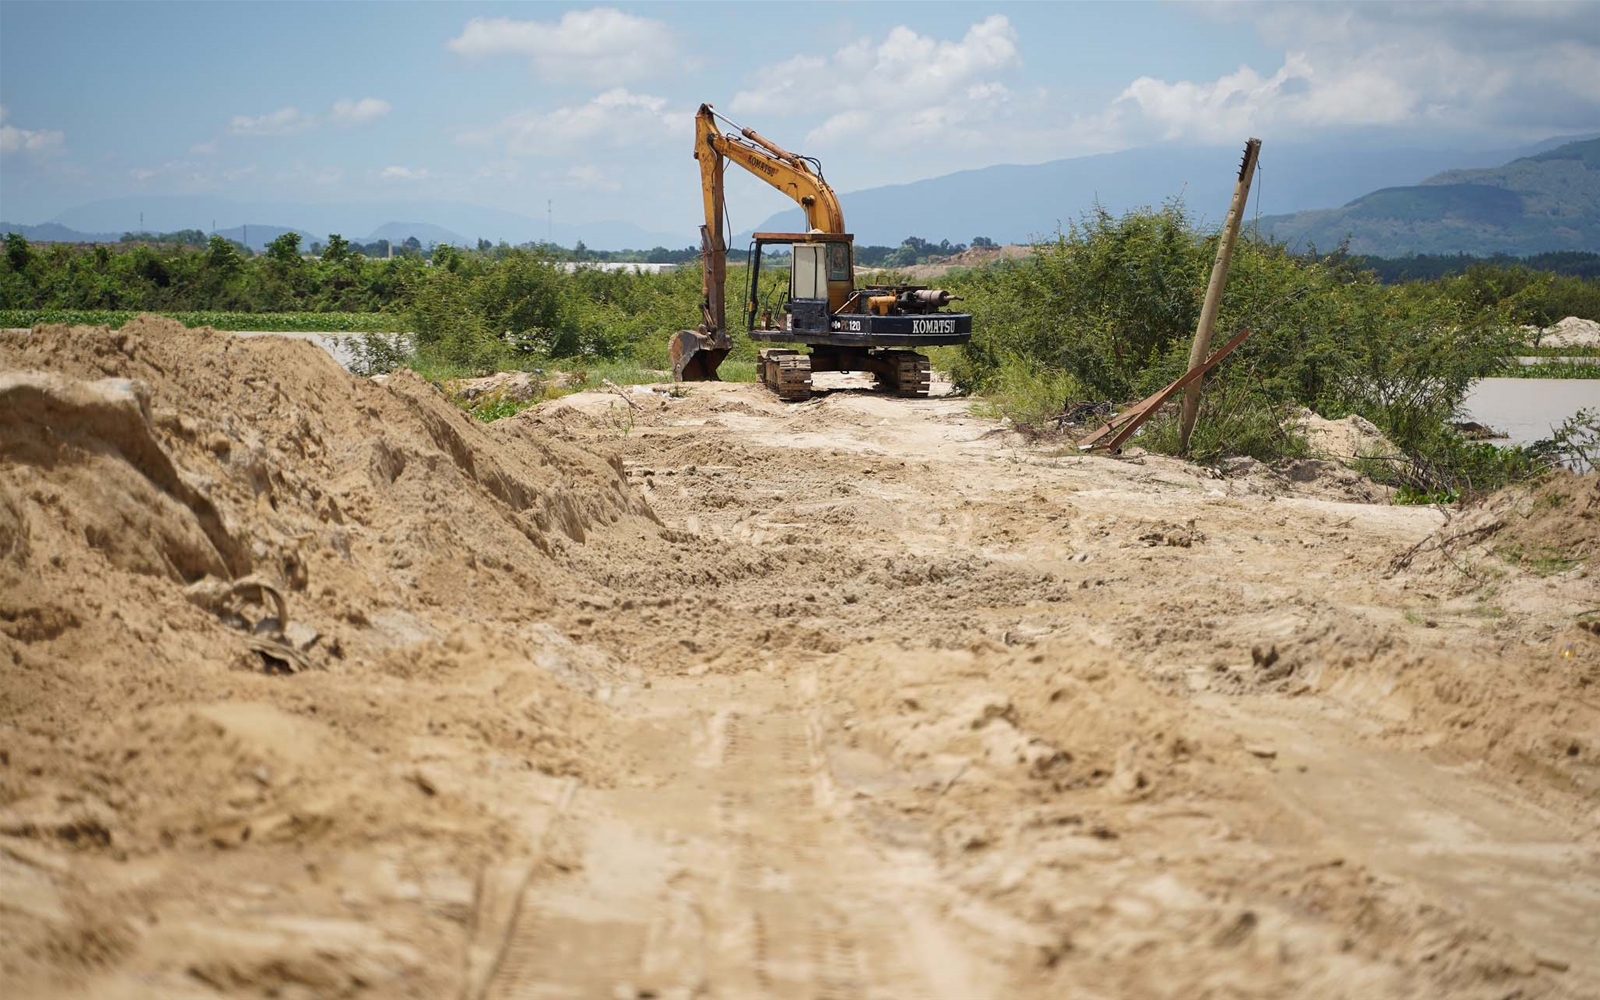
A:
(786, 372)
(905, 373)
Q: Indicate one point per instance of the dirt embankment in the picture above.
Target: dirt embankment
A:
(972, 257)
(154, 759)
(709, 695)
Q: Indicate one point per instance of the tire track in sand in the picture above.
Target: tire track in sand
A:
(730, 874)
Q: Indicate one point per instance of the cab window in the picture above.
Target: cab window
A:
(806, 279)
(839, 262)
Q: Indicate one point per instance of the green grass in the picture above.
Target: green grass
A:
(594, 375)
(287, 322)
(497, 407)
(1411, 496)
(1553, 369)
(1030, 397)
(1541, 561)
(1529, 351)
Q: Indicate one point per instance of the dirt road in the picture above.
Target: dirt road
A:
(1002, 722)
(861, 697)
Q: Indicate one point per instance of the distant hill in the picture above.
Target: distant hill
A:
(351, 219)
(1549, 201)
(1014, 203)
(52, 232)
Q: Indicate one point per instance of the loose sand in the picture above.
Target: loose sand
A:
(714, 696)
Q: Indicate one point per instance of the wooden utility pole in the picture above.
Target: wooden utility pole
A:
(1219, 277)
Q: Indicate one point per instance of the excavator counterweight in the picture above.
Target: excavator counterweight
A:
(874, 329)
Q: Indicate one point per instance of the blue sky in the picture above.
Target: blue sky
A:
(512, 104)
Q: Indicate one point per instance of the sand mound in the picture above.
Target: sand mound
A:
(186, 515)
(1572, 332)
(1525, 556)
(1548, 527)
(1345, 439)
(970, 257)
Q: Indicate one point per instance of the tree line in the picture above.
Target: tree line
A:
(1103, 313)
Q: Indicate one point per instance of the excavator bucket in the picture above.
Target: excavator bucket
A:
(695, 358)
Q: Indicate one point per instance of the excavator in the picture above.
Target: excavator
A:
(873, 329)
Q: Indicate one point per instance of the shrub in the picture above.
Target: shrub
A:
(1032, 397)
(1113, 303)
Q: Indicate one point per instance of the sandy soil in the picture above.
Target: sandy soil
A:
(1572, 332)
(641, 694)
(969, 258)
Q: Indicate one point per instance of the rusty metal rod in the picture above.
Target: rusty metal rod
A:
(1134, 416)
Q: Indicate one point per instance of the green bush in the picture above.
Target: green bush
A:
(1032, 397)
(1114, 300)
(1102, 314)
(1574, 445)
(377, 353)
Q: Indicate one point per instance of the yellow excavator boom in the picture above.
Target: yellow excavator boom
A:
(696, 354)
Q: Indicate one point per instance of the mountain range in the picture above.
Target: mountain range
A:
(1544, 202)
(1394, 201)
(455, 222)
(1015, 203)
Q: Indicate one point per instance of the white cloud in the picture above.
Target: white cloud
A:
(600, 45)
(615, 119)
(289, 121)
(587, 177)
(182, 174)
(204, 148)
(38, 142)
(1242, 101)
(1482, 71)
(907, 88)
(359, 112)
(1520, 67)
(13, 139)
(398, 173)
(284, 121)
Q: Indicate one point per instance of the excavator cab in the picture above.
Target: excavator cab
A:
(821, 279)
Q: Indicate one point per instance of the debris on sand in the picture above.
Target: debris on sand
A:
(520, 387)
(1181, 536)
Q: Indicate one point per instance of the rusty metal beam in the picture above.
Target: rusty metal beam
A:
(1129, 420)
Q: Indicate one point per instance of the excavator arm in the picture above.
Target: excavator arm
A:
(697, 353)
(794, 175)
